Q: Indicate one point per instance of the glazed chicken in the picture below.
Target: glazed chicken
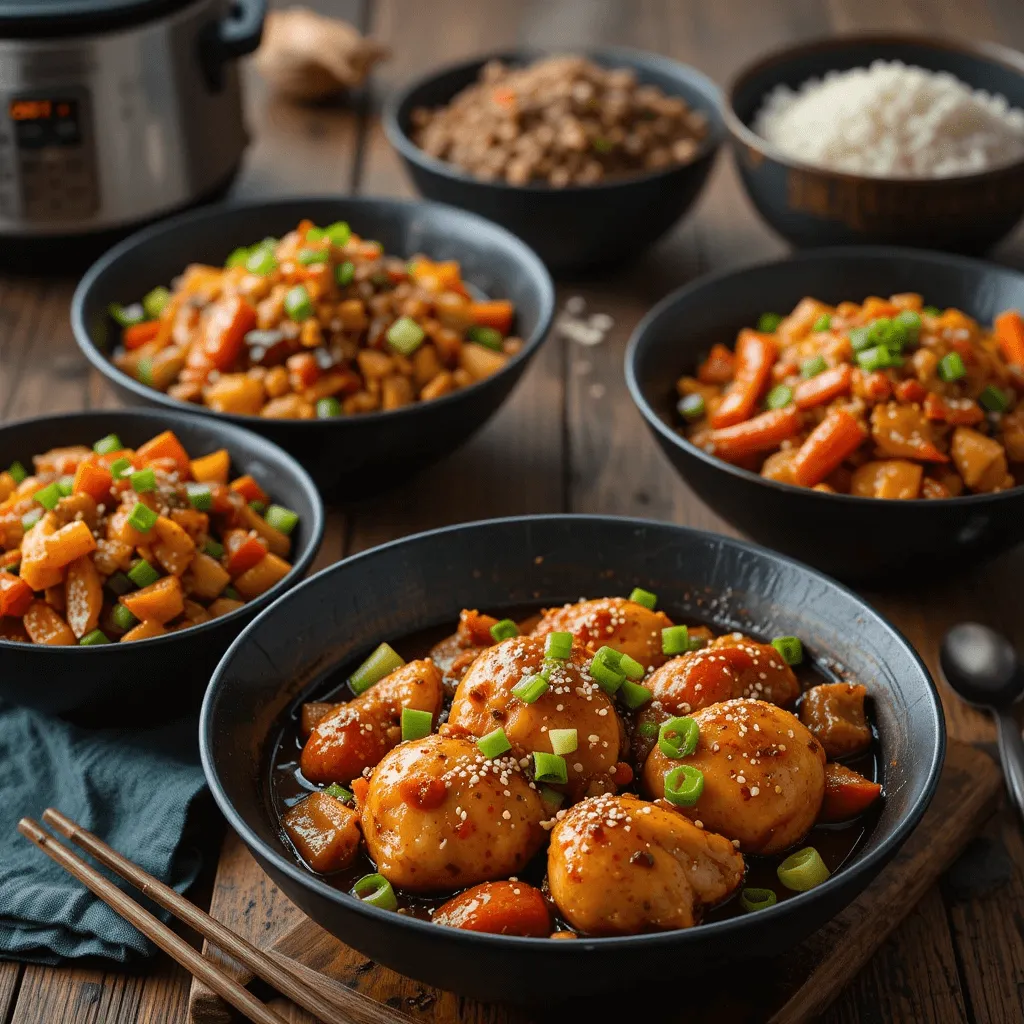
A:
(357, 734)
(834, 712)
(484, 700)
(764, 774)
(618, 865)
(439, 815)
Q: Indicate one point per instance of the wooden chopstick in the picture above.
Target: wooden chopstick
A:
(234, 945)
(174, 945)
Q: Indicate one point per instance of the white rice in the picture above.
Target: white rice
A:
(892, 120)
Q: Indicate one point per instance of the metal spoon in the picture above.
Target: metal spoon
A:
(983, 668)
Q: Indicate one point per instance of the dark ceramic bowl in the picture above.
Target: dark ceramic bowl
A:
(811, 206)
(345, 610)
(350, 455)
(167, 674)
(857, 539)
(582, 226)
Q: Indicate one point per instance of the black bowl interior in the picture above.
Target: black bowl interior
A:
(344, 611)
(79, 677)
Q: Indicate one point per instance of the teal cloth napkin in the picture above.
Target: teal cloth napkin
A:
(139, 790)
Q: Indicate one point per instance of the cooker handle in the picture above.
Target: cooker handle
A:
(233, 36)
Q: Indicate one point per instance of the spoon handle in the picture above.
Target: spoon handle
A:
(1011, 753)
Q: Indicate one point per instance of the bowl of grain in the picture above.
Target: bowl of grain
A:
(887, 139)
(588, 157)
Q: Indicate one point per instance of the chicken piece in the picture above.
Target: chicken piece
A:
(980, 460)
(502, 908)
(324, 831)
(615, 622)
(357, 734)
(484, 701)
(439, 815)
(834, 712)
(618, 865)
(764, 774)
(903, 432)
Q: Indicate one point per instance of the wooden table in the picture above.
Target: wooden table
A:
(570, 440)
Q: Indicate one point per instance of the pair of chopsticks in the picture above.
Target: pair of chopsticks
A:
(327, 1010)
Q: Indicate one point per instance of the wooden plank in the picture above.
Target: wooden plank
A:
(10, 979)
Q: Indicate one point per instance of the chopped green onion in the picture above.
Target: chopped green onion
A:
(549, 768)
(609, 656)
(779, 397)
(97, 636)
(142, 574)
(119, 468)
(675, 640)
(504, 630)
(602, 144)
(66, 485)
(860, 338)
(558, 645)
(994, 399)
(29, 519)
(607, 675)
(107, 445)
(344, 273)
(231, 593)
(18, 472)
(768, 323)
(339, 793)
(823, 323)
(144, 371)
(677, 737)
(282, 519)
(684, 785)
(261, 260)
(752, 899)
(143, 480)
(259, 507)
(200, 497)
(563, 741)
(494, 744)
(381, 663)
(486, 336)
(237, 257)
(633, 695)
(120, 584)
(803, 870)
(416, 724)
(307, 257)
(315, 234)
(328, 408)
(877, 358)
(48, 496)
(630, 667)
(691, 407)
(910, 322)
(644, 597)
(531, 690)
(122, 618)
(297, 303)
(405, 335)
(155, 302)
(213, 548)
(339, 232)
(791, 649)
(551, 797)
(647, 729)
(813, 366)
(951, 367)
(142, 517)
(932, 310)
(376, 890)
(126, 316)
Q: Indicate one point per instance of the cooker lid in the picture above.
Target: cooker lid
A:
(26, 19)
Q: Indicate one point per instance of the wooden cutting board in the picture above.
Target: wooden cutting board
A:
(786, 989)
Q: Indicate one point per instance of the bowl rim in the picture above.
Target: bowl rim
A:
(231, 431)
(714, 110)
(639, 338)
(994, 53)
(780, 912)
(522, 253)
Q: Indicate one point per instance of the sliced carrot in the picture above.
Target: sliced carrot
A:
(192, 521)
(1009, 331)
(262, 576)
(68, 543)
(212, 468)
(45, 626)
(166, 446)
(244, 551)
(760, 434)
(15, 595)
(823, 388)
(227, 324)
(847, 793)
(911, 391)
(159, 602)
(496, 314)
(83, 596)
(224, 606)
(755, 354)
(278, 542)
(247, 487)
(719, 367)
(92, 479)
(172, 546)
(834, 439)
(36, 569)
(137, 335)
(960, 412)
(143, 631)
(502, 908)
(876, 386)
(206, 577)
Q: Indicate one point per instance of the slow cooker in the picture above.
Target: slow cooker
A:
(115, 112)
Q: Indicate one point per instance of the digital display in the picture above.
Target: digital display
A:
(44, 122)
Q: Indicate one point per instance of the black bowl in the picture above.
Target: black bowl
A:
(856, 539)
(812, 206)
(346, 609)
(350, 455)
(167, 674)
(582, 226)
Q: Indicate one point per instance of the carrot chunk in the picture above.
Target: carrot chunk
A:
(496, 314)
(166, 446)
(137, 335)
(45, 626)
(212, 468)
(847, 793)
(262, 576)
(226, 327)
(760, 434)
(838, 436)
(206, 577)
(83, 596)
(159, 602)
(827, 385)
(244, 551)
(719, 367)
(503, 908)
(15, 595)
(755, 354)
(92, 479)
(68, 543)
(1009, 331)
(247, 487)
(143, 631)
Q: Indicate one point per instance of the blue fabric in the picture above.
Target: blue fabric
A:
(135, 789)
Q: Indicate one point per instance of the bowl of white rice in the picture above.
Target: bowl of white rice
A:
(887, 139)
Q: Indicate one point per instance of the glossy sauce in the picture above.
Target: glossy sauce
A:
(836, 843)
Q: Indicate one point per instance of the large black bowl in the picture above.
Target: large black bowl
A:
(167, 674)
(349, 455)
(812, 206)
(424, 581)
(856, 539)
(582, 226)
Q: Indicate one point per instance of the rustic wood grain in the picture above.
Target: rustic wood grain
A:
(10, 978)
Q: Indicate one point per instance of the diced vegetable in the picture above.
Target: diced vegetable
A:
(759, 434)
(755, 354)
(832, 441)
